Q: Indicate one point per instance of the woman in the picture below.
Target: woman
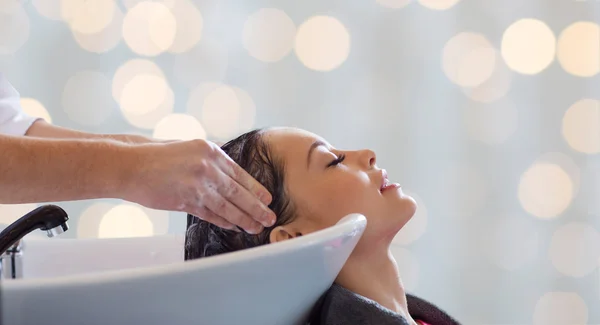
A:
(313, 186)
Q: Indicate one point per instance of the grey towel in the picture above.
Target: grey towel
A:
(339, 306)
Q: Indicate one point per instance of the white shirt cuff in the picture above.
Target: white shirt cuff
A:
(17, 125)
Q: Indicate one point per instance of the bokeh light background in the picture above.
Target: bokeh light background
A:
(488, 112)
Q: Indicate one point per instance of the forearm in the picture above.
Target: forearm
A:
(42, 129)
(43, 170)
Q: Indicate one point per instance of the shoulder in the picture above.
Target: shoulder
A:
(426, 311)
(340, 306)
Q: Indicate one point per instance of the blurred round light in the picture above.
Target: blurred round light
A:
(492, 123)
(575, 249)
(125, 221)
(224, 111)
(468, 59)
(86, 98)
(322, 43)
(88, 16)
(567, 164)
(559, 308)
(248, 110)
(132, 3)
(149, 28)
(14, 28)
(268, 34)
(91, 217)
(545, 190)
(494, 88)
(528, 46)
(189, 25)
(581, 126)
(578, 49)
(89, 220)
(104, 40)
(127, 71)
(158, 218)
(179, 127)
(132, 84)
(394, 4)
(221, 110)
(144, 94)
(438, 4)
(48, 9)
(34, 108)
(154, 114)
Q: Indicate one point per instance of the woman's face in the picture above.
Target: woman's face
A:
(324, 191)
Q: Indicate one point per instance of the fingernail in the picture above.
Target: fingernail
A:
(264, 198)
(268, 219)
(254, 231)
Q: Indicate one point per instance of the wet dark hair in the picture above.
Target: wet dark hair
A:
(254, 155)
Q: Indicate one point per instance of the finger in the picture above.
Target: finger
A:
(237, 173)
(228, 211)
(244, 200)
(205, 214)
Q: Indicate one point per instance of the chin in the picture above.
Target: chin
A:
(399, 215)
(404, 214)
(403, 206)
(410, 206)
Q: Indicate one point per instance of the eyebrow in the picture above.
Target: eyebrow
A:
(312, 148)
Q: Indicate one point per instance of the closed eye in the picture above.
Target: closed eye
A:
(337, 161)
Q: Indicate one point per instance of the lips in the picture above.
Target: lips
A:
(385, 182)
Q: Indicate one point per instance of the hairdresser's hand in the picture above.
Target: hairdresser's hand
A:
(197, 177)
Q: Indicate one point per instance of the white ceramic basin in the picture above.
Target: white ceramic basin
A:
(55, 257)
(272, 284)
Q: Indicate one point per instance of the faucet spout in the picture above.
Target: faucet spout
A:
(53, 232)
(50, 218)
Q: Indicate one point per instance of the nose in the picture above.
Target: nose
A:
(368, 158)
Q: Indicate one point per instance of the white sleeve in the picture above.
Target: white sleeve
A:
(13, 121)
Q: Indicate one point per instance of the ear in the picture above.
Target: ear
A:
(281, 233)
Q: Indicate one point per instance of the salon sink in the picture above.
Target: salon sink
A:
(145, 281)
(46, 258)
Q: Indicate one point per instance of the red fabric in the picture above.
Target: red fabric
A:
(420, 322)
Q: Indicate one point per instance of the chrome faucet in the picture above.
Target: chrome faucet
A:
(49, 218)
(11, 262)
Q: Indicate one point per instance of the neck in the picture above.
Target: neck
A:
(374, 275)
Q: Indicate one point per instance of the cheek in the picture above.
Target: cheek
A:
(346, 195)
